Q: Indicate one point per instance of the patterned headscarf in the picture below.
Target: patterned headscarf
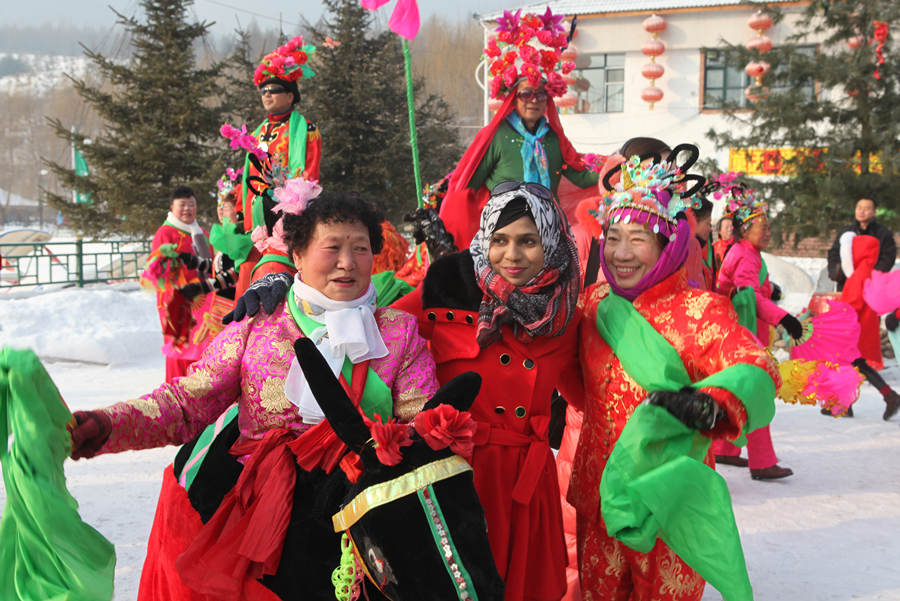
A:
(544, 305)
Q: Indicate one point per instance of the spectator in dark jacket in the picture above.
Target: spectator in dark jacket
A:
(865, 224)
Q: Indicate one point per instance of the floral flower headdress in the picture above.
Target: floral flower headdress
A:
(287, 62)
(741, 202)
(226, 185)
(652, 192)
(528, 47)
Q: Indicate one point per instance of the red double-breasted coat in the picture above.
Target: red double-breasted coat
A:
(514, 469)
(702, 326)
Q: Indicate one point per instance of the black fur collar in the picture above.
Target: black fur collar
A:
(450, 282)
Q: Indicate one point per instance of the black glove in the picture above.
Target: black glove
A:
(222, 263)
(891, 322)
(694, 409)
(270, 290)
(776, 292)
(91, 431)
(792, 325)
(191, 290)
(429, 228)
(192, 261)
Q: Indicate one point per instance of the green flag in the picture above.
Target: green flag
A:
(80, 166)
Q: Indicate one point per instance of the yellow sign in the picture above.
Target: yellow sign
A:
(780, 161)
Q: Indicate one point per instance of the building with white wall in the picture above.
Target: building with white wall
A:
(608, 39)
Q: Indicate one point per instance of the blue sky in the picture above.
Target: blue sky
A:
(226, 13)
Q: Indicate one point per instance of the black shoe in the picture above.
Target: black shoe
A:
(892, 400)
(773, 472)
(827, 411)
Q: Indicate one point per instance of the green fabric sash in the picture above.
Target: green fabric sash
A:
(297, 132)
(744, 301)
(377, 397)
(655, 483)
(227, 239)
(389, 288)
(46, 551)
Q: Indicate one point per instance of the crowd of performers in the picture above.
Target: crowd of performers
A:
(602, 305)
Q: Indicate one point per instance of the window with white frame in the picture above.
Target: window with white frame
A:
(724, 83)
(600, 83)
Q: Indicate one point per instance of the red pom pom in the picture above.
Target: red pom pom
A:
(389, 438)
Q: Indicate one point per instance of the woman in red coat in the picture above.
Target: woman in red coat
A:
(506, 309)
(648, 337)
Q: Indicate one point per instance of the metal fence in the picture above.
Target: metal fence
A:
(77, 262)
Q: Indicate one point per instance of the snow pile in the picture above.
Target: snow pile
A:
(45, 72)
(103, 324)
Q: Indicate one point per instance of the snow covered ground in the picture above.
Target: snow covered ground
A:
(830, 532)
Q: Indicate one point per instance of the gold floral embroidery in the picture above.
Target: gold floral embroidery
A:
(230, 349)
(272, 395)
(147, 407)
(284, 347)
(408, 404)
(676, 578)
(198, 384)
(614, 558)
(696, 305)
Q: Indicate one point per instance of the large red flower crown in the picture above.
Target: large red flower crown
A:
(287, 62)
(528, 47)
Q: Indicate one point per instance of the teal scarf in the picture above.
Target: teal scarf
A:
(655, 483)
(534, 160)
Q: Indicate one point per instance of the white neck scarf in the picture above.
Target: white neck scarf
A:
(846, 252)
(198, 238)
(348, 330)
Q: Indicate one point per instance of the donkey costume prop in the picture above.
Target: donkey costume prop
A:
(412, 520)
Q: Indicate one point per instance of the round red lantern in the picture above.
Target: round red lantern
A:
(761, 43)
(855, 42)
(654, 24)
(653, 48)
(652, 71)
(651, 94)
(757, 69)
(567, 100)
(759, 22)
(756, 92)
(570, 53)
(494, 104)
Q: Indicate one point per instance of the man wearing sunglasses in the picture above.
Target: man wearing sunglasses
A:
(292, 143)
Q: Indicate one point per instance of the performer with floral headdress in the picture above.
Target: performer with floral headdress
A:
(744, 278)
(666, 368)
(525, 139)
(289, 142)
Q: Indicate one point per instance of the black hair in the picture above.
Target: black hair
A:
(182, 192)
(333, 207)
(705, 209)
(290, 86)
(872, 200)
(642, 146)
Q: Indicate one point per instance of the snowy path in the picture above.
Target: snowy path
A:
(829, 533)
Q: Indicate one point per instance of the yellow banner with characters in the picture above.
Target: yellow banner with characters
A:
(781, 161)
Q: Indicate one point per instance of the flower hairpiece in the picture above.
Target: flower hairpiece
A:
(287, 62)
(528, 47)
(241, 139)
(295, 194)
(227, 183)
(741, 202)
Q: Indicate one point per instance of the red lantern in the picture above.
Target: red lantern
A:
(855, 42)
(566, 100)
(653, 48)
(760, 22)
(755, 92)
(570, 53)
(757, 69)
(761, 43)
(654, 24)
(652, 71)
(651, 94)
(494, 104)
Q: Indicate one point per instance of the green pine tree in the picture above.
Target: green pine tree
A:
(852, 116)
(358, 97)
(161, 114)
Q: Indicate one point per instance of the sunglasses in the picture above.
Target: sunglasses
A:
(529, 95)
(271, 90)
(532, 188)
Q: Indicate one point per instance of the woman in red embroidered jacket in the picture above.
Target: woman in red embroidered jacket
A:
(506, 309)
(644, 247)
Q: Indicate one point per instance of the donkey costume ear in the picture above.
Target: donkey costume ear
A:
(344, 418)
(460, 392)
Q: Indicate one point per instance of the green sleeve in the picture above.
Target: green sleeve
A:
(582, 179)
(487, 165)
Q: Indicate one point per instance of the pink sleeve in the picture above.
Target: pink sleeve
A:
(416, 379)
(177, 411)
(746, 273)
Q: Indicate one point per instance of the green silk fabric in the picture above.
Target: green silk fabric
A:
(225, 238)
(655, 484)
(46, 552)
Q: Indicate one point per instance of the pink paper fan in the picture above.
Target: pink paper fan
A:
(836, 387)
(834, 336)
(882, 291)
